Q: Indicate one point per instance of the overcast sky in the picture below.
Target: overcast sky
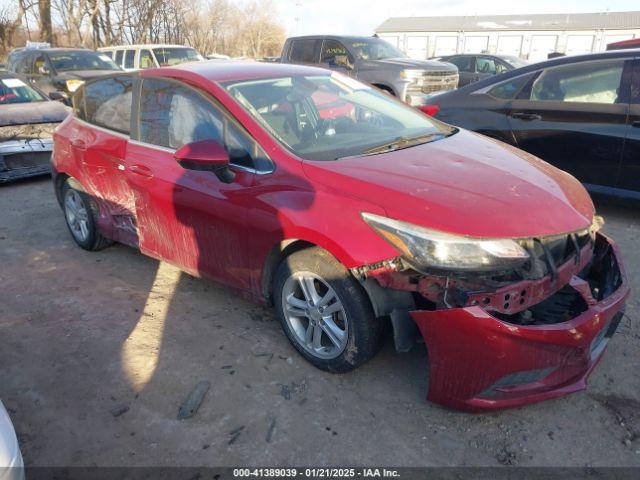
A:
(361, 17)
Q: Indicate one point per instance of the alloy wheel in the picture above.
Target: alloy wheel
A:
(77, 216)
(315, 315)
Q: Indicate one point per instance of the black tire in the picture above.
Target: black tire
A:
(94, 239)
(364, 333)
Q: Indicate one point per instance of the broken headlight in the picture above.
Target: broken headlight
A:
(73, 85)
(426, 248)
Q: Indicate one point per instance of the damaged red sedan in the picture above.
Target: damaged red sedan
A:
(345, 209)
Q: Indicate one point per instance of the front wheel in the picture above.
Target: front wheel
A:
(325, 312)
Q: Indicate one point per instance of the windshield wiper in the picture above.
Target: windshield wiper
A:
(400, 143)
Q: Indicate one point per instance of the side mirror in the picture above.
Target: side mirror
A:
(208, 156)
(57, 96)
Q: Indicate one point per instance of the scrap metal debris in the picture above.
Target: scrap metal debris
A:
(119, 409)
(191, 404)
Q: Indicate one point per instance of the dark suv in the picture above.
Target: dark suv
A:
(475, 67)
(374, 61)
(59, 69)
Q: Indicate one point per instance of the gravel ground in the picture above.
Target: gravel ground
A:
(99, 350)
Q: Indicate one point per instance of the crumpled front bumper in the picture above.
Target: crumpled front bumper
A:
(479, 362)
(25, 158)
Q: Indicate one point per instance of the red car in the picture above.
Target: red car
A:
(347, 219)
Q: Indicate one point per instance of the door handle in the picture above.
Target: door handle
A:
(79, 144)
(636, 124)
(141, 170)
(526, 116)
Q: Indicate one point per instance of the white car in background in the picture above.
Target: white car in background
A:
(11, 464)
(139, 57)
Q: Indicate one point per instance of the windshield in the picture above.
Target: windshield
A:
(517, 62)
(174, 56)
(332, 116)
(14, 90)
(81, 60)
(375, 49)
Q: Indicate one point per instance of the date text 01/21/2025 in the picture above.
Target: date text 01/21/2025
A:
(315, 472)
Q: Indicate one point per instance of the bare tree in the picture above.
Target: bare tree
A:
(44, 20)
(247, 29)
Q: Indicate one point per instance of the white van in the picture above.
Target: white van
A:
(136, 57)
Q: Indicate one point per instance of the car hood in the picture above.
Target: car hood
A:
(403, 63)
(465, 184)
(34, 112)
(84, 74)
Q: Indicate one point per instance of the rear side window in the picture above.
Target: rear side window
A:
(118, 57)
(22, 64)
(585, 82)
(129, 59)
(509, 90)
(172, 115)
(464, 64)
(304, 50)
(108, 103)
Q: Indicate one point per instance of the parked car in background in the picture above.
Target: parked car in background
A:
(59, 69)
(218, 56)
(27, 120)
(474, 67)
(374, 61)
(342, 207)
(579, 113)
(139, 57)
(624, 44)
(11, 463)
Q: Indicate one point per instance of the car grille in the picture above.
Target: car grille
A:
(548, 253)
(26, 160)
(430, 82)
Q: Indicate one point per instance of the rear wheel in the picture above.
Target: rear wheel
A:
(324, 311)
(81, 214)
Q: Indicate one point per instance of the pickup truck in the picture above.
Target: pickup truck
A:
(374, 61)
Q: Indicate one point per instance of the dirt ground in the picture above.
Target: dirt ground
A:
(99, 350)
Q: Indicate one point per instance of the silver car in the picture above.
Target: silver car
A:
(11, 464)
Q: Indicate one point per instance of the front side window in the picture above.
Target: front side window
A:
(304, 50)
(14, 90)
(586, 82)
(335, 54)
(172, 115)
(375, 49)
(327, 117)
(72, 60)
(146, 59)
(108, 103)
(486, 65)
(40, 66)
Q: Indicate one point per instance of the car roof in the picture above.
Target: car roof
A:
(24, 50)
(142, 45)
(554, 62)
(335, 37)
(216, 71)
